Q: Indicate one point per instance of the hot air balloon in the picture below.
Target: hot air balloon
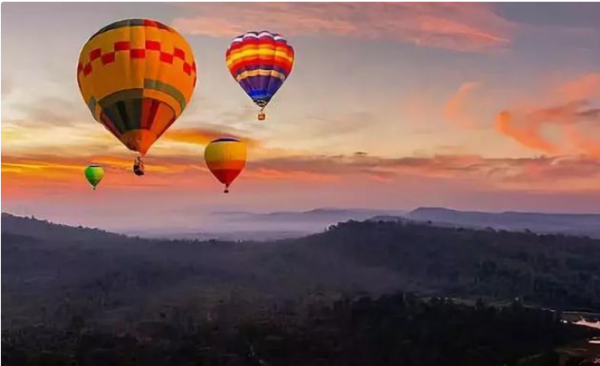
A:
(260, 62)
(94, 174)
(225, 158)
(136, 77)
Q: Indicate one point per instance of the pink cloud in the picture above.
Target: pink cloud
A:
(575, 115)
(583, 87)
(43, 169)
(461, 27)
(524, 131)
(456, 109)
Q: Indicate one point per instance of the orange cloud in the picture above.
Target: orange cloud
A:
(528, 134)
(295, 175)
(201, 136)
(456, 108)
(572, 115)
(39, 176)
(532, 173)
(584, 87)
(460, 27)
(585, 144)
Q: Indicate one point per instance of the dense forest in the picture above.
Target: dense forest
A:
(83, 296)
(392, 330)
(548, 270)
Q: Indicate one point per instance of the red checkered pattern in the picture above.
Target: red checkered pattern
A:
(136, 53)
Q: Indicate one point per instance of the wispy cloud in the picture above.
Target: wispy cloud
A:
(52, 111)
(574, 114)
(202, 136)
(583, 87)
(526, 132)
(585, 144)
(459, 27)
(7, 86)
(456, 109)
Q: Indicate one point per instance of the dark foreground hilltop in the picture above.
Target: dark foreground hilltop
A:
(85, 296)
(392, 330)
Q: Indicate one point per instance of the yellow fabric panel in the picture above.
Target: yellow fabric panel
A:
(252, 53)
(137, 36)
(254, 47)
(229, 165)
(251, 73)
(165, 98)
(270, 58)
(127, 73)
(225, 151)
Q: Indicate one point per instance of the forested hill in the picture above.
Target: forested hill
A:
(88, 280)
(113, 276)
(45, 230)
(552, 270)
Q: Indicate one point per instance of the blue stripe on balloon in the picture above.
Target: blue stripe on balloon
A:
(268, 86)
(259, 94)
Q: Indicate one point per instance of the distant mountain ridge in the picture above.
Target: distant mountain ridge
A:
(241, 225)
(573, 224)
(315, 215)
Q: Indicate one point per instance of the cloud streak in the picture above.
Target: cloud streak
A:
(575, 116)
(202, 136)
(459, 27)
(456, 108)
(184, 170)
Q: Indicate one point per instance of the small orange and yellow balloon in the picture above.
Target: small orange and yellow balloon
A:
(225, 158)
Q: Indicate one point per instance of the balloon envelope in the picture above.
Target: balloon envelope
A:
(260, 62)
(225, 158)
(136, 77)
(94, 174)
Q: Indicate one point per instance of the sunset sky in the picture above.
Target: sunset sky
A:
(394, 106)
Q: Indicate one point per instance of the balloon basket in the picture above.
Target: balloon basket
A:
(138, 166)
(262, 116)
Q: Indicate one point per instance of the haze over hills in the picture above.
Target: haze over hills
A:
(240, 225)
(243, 225)
(316, 216)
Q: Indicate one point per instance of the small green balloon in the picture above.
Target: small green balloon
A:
(94, 174)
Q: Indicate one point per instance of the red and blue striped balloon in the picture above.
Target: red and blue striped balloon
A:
(260, 62)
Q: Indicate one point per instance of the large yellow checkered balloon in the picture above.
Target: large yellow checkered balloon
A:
(136, 76)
